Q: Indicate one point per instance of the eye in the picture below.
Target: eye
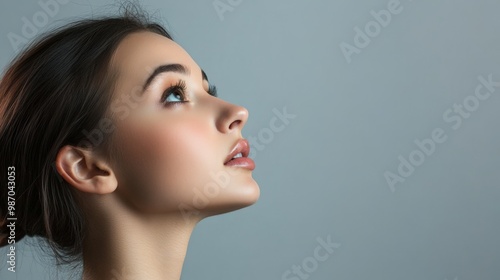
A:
(174, 94)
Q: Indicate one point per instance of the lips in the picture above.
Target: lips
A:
(242, 147)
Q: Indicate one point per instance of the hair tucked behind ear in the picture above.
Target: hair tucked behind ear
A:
(59, 87)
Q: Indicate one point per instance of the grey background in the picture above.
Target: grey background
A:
(323, 174)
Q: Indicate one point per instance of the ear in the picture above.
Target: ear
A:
(85, 170)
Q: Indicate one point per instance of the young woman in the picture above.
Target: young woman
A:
(114, 145)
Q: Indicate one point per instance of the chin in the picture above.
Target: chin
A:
(245, 196)
(250, 196)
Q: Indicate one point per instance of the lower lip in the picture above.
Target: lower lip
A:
(243, 162)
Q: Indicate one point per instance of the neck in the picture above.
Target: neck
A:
(136, 247)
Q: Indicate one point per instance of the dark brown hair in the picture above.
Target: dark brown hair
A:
(52, 92)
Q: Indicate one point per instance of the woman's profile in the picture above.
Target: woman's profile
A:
(114, 145)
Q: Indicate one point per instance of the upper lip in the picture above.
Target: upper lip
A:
(242, 147)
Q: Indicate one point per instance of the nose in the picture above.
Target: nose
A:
(232, 117)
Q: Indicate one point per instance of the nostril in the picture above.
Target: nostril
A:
(235, 123)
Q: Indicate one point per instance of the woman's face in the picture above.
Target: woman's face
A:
(169, 155)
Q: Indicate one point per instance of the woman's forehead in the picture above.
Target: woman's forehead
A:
(141, 52)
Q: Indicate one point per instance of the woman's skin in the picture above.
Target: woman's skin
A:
(167, 169)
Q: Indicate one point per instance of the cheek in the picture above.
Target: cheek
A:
(162, 163)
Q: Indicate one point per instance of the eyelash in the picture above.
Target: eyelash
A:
(212, 90)
(180, 88)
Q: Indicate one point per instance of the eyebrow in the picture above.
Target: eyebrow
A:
(177, 68)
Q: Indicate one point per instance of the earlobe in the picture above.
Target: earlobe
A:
(85, 171)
